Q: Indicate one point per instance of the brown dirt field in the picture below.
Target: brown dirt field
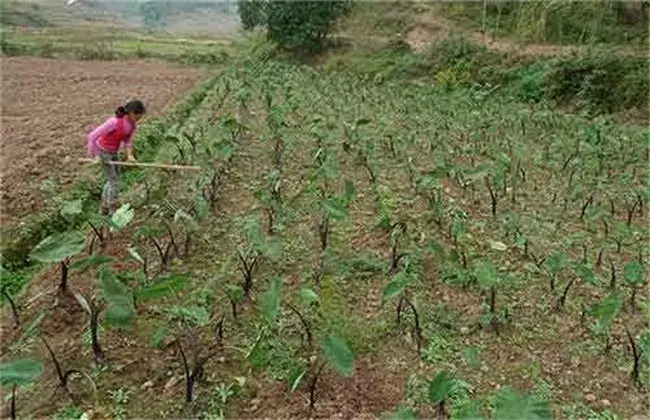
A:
(49, 106)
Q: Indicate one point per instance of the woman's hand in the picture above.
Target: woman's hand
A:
(131, 158)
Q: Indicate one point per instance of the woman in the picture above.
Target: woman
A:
(104, 142)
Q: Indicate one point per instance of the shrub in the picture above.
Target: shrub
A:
(252, 13)
(601, 83)
(293, 23)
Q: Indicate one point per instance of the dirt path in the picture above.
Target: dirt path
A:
(48, 107)
(431, 27)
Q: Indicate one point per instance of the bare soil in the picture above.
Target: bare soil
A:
(49, 106)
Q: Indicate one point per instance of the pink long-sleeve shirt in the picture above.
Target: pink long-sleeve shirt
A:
(110, 135)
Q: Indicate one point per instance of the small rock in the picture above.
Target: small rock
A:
(484, 368)
(590, 398)
(171, 383)
(146, 385)
(464, 330)
(605, 403)
(255, 403)
(221, 359)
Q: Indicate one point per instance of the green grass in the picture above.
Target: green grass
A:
(614, 23)
(103, 44)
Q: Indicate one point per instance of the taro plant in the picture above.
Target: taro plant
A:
(511, 404)
(64, 376)
(605, 312)
(332, 351)
(72, 211)
(270, 198)
(249, 253)
(18, 373)
(165, 245)
(117, 307)
(441, 389)
(634, 277)
(235, 295)
(489, 280)
(396, 288)
(554, 264)
(194, 353)
(59, 248)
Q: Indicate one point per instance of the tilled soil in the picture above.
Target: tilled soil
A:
(49, 106)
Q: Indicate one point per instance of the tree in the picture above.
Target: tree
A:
(293, 23)
(152, 14)
(251, 13)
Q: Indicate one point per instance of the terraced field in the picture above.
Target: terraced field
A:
(353, 247)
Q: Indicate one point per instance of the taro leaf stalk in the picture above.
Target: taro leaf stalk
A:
(164, 249)
(64, 377)
(248, 263)
(17, 373)
(639, 351)
(12, 304)
(192, 318)
(333, 208)
(336, 355)
(396, 288)
(494, 194)
(256, 246)
(194, 371)
(398, 230)
(59, 248)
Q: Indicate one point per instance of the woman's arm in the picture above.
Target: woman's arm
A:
(128, 145)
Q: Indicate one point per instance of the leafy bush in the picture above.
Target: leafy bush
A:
(252, 13)
(528, 82)
(293, 23)
(97, 51)
(602, 83)
(457, 60)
